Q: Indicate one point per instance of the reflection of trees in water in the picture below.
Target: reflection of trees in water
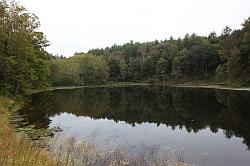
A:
(193, 109)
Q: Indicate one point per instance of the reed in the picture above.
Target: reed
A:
(69, 150)
(14, 149)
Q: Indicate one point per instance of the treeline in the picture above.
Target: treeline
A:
(25, 64)
(223, 58)
(226, 58)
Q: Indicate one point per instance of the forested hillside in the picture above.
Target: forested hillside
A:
(25, 64)
(224, 58)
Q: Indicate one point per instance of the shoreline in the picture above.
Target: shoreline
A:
(212, 86)
(182, 85)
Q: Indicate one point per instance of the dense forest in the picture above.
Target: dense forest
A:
(25, 64)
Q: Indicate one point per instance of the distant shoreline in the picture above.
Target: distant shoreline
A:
(213, 87)
(120, 84)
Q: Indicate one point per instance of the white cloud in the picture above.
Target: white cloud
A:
(79, 25)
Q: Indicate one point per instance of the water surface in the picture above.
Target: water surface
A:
(207, 126)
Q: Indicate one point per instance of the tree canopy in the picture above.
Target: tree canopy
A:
(23, 59)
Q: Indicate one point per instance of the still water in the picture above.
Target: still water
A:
(208, 127)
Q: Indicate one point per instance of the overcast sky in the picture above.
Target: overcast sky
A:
(79, 25)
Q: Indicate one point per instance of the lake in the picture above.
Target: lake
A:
(206, 126)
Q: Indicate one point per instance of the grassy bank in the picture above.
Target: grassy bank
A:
(14, 149)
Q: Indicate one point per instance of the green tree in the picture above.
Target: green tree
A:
(164, 68)
(123, 69)
(24, 61)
